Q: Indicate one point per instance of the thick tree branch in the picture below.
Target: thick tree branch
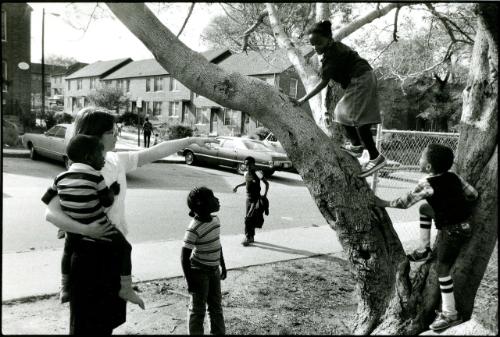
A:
(358, 23)
(250, 30)
(187, 18)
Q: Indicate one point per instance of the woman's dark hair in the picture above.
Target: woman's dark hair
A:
(197, 200)
(323, 28)
(92, 121)
(81, 147)
(440, 157)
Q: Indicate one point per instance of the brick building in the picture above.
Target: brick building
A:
(16, 58)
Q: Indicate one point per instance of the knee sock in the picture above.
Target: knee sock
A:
(366, 136)
(352, 135)
(448, 300)
(425, 231)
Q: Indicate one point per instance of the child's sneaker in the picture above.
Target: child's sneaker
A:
(372, 166)
(354, 150)
(418, 255)
(247, 241)
(444, 321)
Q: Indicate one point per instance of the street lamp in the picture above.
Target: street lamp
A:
(43, 59)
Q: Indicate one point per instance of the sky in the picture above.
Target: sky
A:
(106, 37)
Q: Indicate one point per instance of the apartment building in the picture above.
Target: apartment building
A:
(80, 83)
(16, 58)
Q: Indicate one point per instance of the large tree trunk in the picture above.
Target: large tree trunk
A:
(386, 296)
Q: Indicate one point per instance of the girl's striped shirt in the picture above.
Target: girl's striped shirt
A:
(204, 239)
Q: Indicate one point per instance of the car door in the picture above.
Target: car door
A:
(58, 143)
(43, 145)
(227, 153)
(208, 154)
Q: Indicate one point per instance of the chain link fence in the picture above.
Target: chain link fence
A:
(402, 150)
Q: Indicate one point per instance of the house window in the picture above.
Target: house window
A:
(118, 84)
(148, 85)
(293, 87)
(127, 85)
(156, 108)
(158, 83)
(69, 84)
(174, 84)
(4, 75)
(174, 109)
(4, 26)
(230, 117)
(79, 84)
(202, 115)
(92, 83)
(268, 79)
(149, 108)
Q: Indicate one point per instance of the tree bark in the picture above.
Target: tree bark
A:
(389, 300)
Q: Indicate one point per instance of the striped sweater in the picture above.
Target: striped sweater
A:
(83, 194)
(204, 239)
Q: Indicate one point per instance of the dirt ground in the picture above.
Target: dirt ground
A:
(303, 296)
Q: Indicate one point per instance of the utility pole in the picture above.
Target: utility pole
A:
(43, 64)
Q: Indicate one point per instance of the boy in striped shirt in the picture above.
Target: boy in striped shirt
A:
(201, 257)
(84, 197)
(450, 200)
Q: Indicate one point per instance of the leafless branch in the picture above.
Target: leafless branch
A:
(443, 21)
(227, 14)
(250, 30)
(470, 40)
(187, 18)
(383, 51)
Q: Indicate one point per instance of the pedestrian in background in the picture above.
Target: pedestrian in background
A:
(252, 183)
(95, 307)
(147, 128)
(201, 258)
(358, 109)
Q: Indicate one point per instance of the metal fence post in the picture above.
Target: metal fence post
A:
(378, 139)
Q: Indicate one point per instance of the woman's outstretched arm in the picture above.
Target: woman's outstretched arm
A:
(167, 148)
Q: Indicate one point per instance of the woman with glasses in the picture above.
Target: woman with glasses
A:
(94, 277)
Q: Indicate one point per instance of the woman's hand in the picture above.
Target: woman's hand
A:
(223, 273)
(235, 189)
(99, 231)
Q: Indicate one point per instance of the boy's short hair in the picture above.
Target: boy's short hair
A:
(197, 199)
(80, 147)
(250, 160)
(440, 157)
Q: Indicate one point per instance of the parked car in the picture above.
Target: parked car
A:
(272, 142)
(232, 152)
(50, 144)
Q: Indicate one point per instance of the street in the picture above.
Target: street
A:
(156, 202)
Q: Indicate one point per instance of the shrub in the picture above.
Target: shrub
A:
(10, 133)
(130, 118)
(63, 117)
(179, 131)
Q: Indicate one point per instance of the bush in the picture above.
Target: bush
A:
(63, 117)
(10, 133)
(260, 133)
(179, 131)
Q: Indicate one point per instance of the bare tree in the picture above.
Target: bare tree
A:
(390, 302)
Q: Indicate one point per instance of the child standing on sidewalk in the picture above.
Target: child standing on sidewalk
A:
(449, 202)
(201, 257)
(83, 196)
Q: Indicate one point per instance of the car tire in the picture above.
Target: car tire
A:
(241, 168)
(267, 174)
(66, 162)
(33, 154)
(189, 158)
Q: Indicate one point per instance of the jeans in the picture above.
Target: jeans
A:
(207, 291)
(147, 138)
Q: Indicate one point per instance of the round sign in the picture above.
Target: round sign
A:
(23, 66)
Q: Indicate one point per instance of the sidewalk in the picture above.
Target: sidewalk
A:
(37, 273)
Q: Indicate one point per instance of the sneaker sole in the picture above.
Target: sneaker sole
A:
(447, 327)
(373, 170)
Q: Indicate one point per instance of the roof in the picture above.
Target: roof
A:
(260, 63)
(98, 68)
(151, 67)
(50, 69)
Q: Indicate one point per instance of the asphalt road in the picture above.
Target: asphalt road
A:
(156, 202)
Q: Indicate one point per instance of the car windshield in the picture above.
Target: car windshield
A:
(253, 145)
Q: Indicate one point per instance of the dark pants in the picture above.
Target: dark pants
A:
(362, 134)
(249, 228)
(147, 138)
(449, 246)
(119, 244)
(95, 307)
(206, 292)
